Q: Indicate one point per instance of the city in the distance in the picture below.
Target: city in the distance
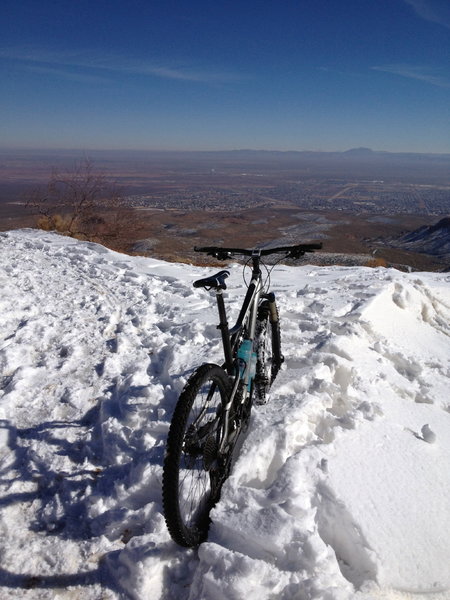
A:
(365, 206)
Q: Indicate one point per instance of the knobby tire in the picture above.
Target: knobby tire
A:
(192, 477)
(268, 350)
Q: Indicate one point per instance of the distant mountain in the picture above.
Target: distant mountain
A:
(434, 239)
(360, 152)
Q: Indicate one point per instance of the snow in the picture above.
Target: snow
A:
(342, 485)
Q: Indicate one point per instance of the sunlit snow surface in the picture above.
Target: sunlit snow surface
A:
(340, 491)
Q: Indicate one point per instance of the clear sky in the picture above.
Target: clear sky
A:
(276, 74)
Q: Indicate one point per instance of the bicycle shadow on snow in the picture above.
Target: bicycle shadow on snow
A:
(106, 449)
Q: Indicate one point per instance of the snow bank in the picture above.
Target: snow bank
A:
(341, 490)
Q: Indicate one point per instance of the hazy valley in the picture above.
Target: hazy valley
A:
(357, 202)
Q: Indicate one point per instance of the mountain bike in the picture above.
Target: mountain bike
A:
(213, 410)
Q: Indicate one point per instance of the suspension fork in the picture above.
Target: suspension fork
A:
(273, 313)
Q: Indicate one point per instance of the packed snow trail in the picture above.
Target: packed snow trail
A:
(341, 490)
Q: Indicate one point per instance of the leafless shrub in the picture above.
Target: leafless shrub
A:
(83, 203)
(376, 262)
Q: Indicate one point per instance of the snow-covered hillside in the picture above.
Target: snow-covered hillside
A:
(433, 239)
(342, 488)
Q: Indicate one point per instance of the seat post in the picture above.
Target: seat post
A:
(223, 326)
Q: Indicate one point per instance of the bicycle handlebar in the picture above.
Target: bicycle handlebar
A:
(291, 251)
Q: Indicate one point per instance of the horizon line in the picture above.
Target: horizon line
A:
(80, 149)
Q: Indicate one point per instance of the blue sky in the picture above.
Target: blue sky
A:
(281, 74)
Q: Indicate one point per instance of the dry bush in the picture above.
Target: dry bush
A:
(56, 222)
(177, 258)
(376, 262)
(83, 203)
(44, 222)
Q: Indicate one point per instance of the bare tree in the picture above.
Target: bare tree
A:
(85, 204)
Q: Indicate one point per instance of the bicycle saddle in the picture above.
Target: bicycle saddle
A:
(216, 281)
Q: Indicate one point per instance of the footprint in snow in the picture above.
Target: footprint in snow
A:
(427, 434)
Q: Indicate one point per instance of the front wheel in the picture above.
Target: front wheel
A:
(192, 475)
(267, 346)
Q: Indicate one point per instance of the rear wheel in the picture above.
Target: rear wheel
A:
(268, 349)
(192, 475)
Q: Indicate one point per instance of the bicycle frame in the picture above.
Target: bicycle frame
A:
(231, 337)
